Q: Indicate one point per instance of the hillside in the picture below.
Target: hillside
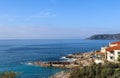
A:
(105, 37)
(107, 70)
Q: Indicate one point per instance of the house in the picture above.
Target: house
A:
(99, 57)
(114, 44)
(108, 53)
(113, 53)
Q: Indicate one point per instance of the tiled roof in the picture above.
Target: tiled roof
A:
(113, 48)
(101, 53)
(117, 42)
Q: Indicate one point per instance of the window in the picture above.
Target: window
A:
(111, 57)
(119, 53)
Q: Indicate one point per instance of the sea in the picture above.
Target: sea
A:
(16, 55)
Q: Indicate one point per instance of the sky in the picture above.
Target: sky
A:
(58, 19)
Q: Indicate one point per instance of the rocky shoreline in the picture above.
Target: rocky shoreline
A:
(80, 60)
(62, 74)
(76, 59)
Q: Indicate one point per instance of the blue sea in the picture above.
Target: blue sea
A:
(15, 54)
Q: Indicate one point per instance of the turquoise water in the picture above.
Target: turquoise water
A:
(15, 54)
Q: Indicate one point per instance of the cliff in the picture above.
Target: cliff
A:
(105, 37)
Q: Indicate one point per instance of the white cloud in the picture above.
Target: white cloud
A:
(43, 14)
(47, 13)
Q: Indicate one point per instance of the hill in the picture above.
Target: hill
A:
(105, 37)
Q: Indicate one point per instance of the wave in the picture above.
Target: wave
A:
(64, 58)
(28, 63)
(71, 60)
(68, 59)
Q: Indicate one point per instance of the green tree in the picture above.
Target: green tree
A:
(107, 70)
(8, 75)
(119, 58)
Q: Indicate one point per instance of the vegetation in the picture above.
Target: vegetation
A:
(108, 70)
(119, 58)
(8, 75)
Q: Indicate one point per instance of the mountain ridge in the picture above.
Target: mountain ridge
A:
(105, 37)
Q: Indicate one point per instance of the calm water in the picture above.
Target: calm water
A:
(14, 54)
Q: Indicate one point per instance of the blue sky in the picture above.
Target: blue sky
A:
(58, 19)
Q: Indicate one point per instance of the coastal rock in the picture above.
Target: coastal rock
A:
(61, 74)
(83, 59)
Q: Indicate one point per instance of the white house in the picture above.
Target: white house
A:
(113, 53)
(109, 53)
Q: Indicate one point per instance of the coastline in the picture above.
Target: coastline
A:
(72, 61)
(82, 59)
(34, 51)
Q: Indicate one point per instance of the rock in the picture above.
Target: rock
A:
(61, 74)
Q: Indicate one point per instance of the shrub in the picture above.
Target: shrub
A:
(8, 75)
(108, 70)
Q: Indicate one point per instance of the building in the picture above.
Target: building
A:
(113, 51)
(108, 53)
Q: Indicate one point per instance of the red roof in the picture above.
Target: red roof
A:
(117, 42)
(101, 53)
(113, 48)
